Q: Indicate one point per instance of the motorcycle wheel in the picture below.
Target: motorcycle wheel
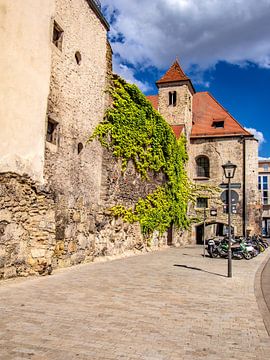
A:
(247, 256)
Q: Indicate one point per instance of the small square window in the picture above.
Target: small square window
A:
(57, 35)
(265, 167)
(52, 131)
(202, 203)
(218, 124)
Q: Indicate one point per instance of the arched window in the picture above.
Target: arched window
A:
(80, 148)
(172, 98)
(202, 163)
(78, 57)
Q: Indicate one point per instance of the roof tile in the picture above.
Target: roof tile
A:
(175, 73)
(153, 100)
(206, 110)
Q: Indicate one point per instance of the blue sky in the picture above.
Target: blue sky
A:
(222, 45)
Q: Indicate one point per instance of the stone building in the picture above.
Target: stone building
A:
(55, 188)
(264, 188)
(214, 137)
(55, 63)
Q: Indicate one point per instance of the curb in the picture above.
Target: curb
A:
(262, 305)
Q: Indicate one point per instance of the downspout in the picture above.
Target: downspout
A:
(244, 190)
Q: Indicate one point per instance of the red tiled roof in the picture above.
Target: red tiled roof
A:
(153, 100)
(175, 73)
(206, 110)
(177, 129)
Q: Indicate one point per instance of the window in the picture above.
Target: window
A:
(265, 167)
(57, 35)
(52, 131)
(202, 163)
(78, 57)
(265, 197)
(265, 183)
(172, 98)
(259, 182)
(80, 148)
(218, 124)
(202, 203)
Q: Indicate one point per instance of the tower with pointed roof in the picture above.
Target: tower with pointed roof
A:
(175, 98)
(213, 138)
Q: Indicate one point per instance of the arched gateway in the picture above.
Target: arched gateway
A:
(211, 230)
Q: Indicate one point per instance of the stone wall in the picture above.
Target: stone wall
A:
(182, 112)
(27, 227)
(77, 103)
(219, 151)
(125, 188)
(253, 203)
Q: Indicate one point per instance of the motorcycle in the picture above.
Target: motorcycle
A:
(212, 248)
(239, 249)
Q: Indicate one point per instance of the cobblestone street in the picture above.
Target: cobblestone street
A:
(167, 305)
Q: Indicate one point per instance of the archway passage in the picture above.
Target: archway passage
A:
(211, 230)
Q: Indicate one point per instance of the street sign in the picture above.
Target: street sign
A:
(233, 209)
(225, 197)
(213, 212)
(233, 186)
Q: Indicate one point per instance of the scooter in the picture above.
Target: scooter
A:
(212, 248)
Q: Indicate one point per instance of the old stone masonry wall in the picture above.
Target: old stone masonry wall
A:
(40, 231)
(27, 227)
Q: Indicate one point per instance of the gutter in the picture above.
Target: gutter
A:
(96, 7)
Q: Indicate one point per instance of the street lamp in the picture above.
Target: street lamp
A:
(229, 171)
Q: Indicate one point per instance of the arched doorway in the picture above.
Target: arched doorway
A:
(211, 230)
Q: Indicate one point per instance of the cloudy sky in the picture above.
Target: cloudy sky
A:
(223, 45)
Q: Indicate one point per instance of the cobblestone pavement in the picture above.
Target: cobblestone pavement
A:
(167, 305)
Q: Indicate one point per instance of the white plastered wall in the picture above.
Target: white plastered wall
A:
(25, 65)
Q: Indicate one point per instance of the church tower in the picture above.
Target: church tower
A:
(175, 92)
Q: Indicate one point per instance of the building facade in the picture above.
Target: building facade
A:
(56, 189)
(55, 65)
(214, 137)
(264, 188)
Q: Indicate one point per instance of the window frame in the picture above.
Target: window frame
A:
(52, 136)
(202, 204)
(218, 124)
(203, 170)
(172, 98)
(58, 42)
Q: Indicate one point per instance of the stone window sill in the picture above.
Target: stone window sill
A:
(52, 147)
(201, 178)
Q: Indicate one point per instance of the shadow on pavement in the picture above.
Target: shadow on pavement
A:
(198, 269)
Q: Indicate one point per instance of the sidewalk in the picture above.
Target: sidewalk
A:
(167, 305)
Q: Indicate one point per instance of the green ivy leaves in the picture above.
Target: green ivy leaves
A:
(133, 130)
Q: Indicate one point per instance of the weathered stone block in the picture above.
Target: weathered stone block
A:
(38, 253)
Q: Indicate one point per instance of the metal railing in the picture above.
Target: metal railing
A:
(97, 2)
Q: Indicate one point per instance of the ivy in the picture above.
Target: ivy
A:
(134, 131)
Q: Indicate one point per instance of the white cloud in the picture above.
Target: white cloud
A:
(128, 74)
(264, 158)
(257, 134)
(200, 32)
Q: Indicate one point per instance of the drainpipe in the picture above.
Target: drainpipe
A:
(244, 190)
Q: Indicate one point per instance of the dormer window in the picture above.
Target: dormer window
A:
(172, 98)
(217, 124)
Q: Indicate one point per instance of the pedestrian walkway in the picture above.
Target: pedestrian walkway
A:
(167, 305)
